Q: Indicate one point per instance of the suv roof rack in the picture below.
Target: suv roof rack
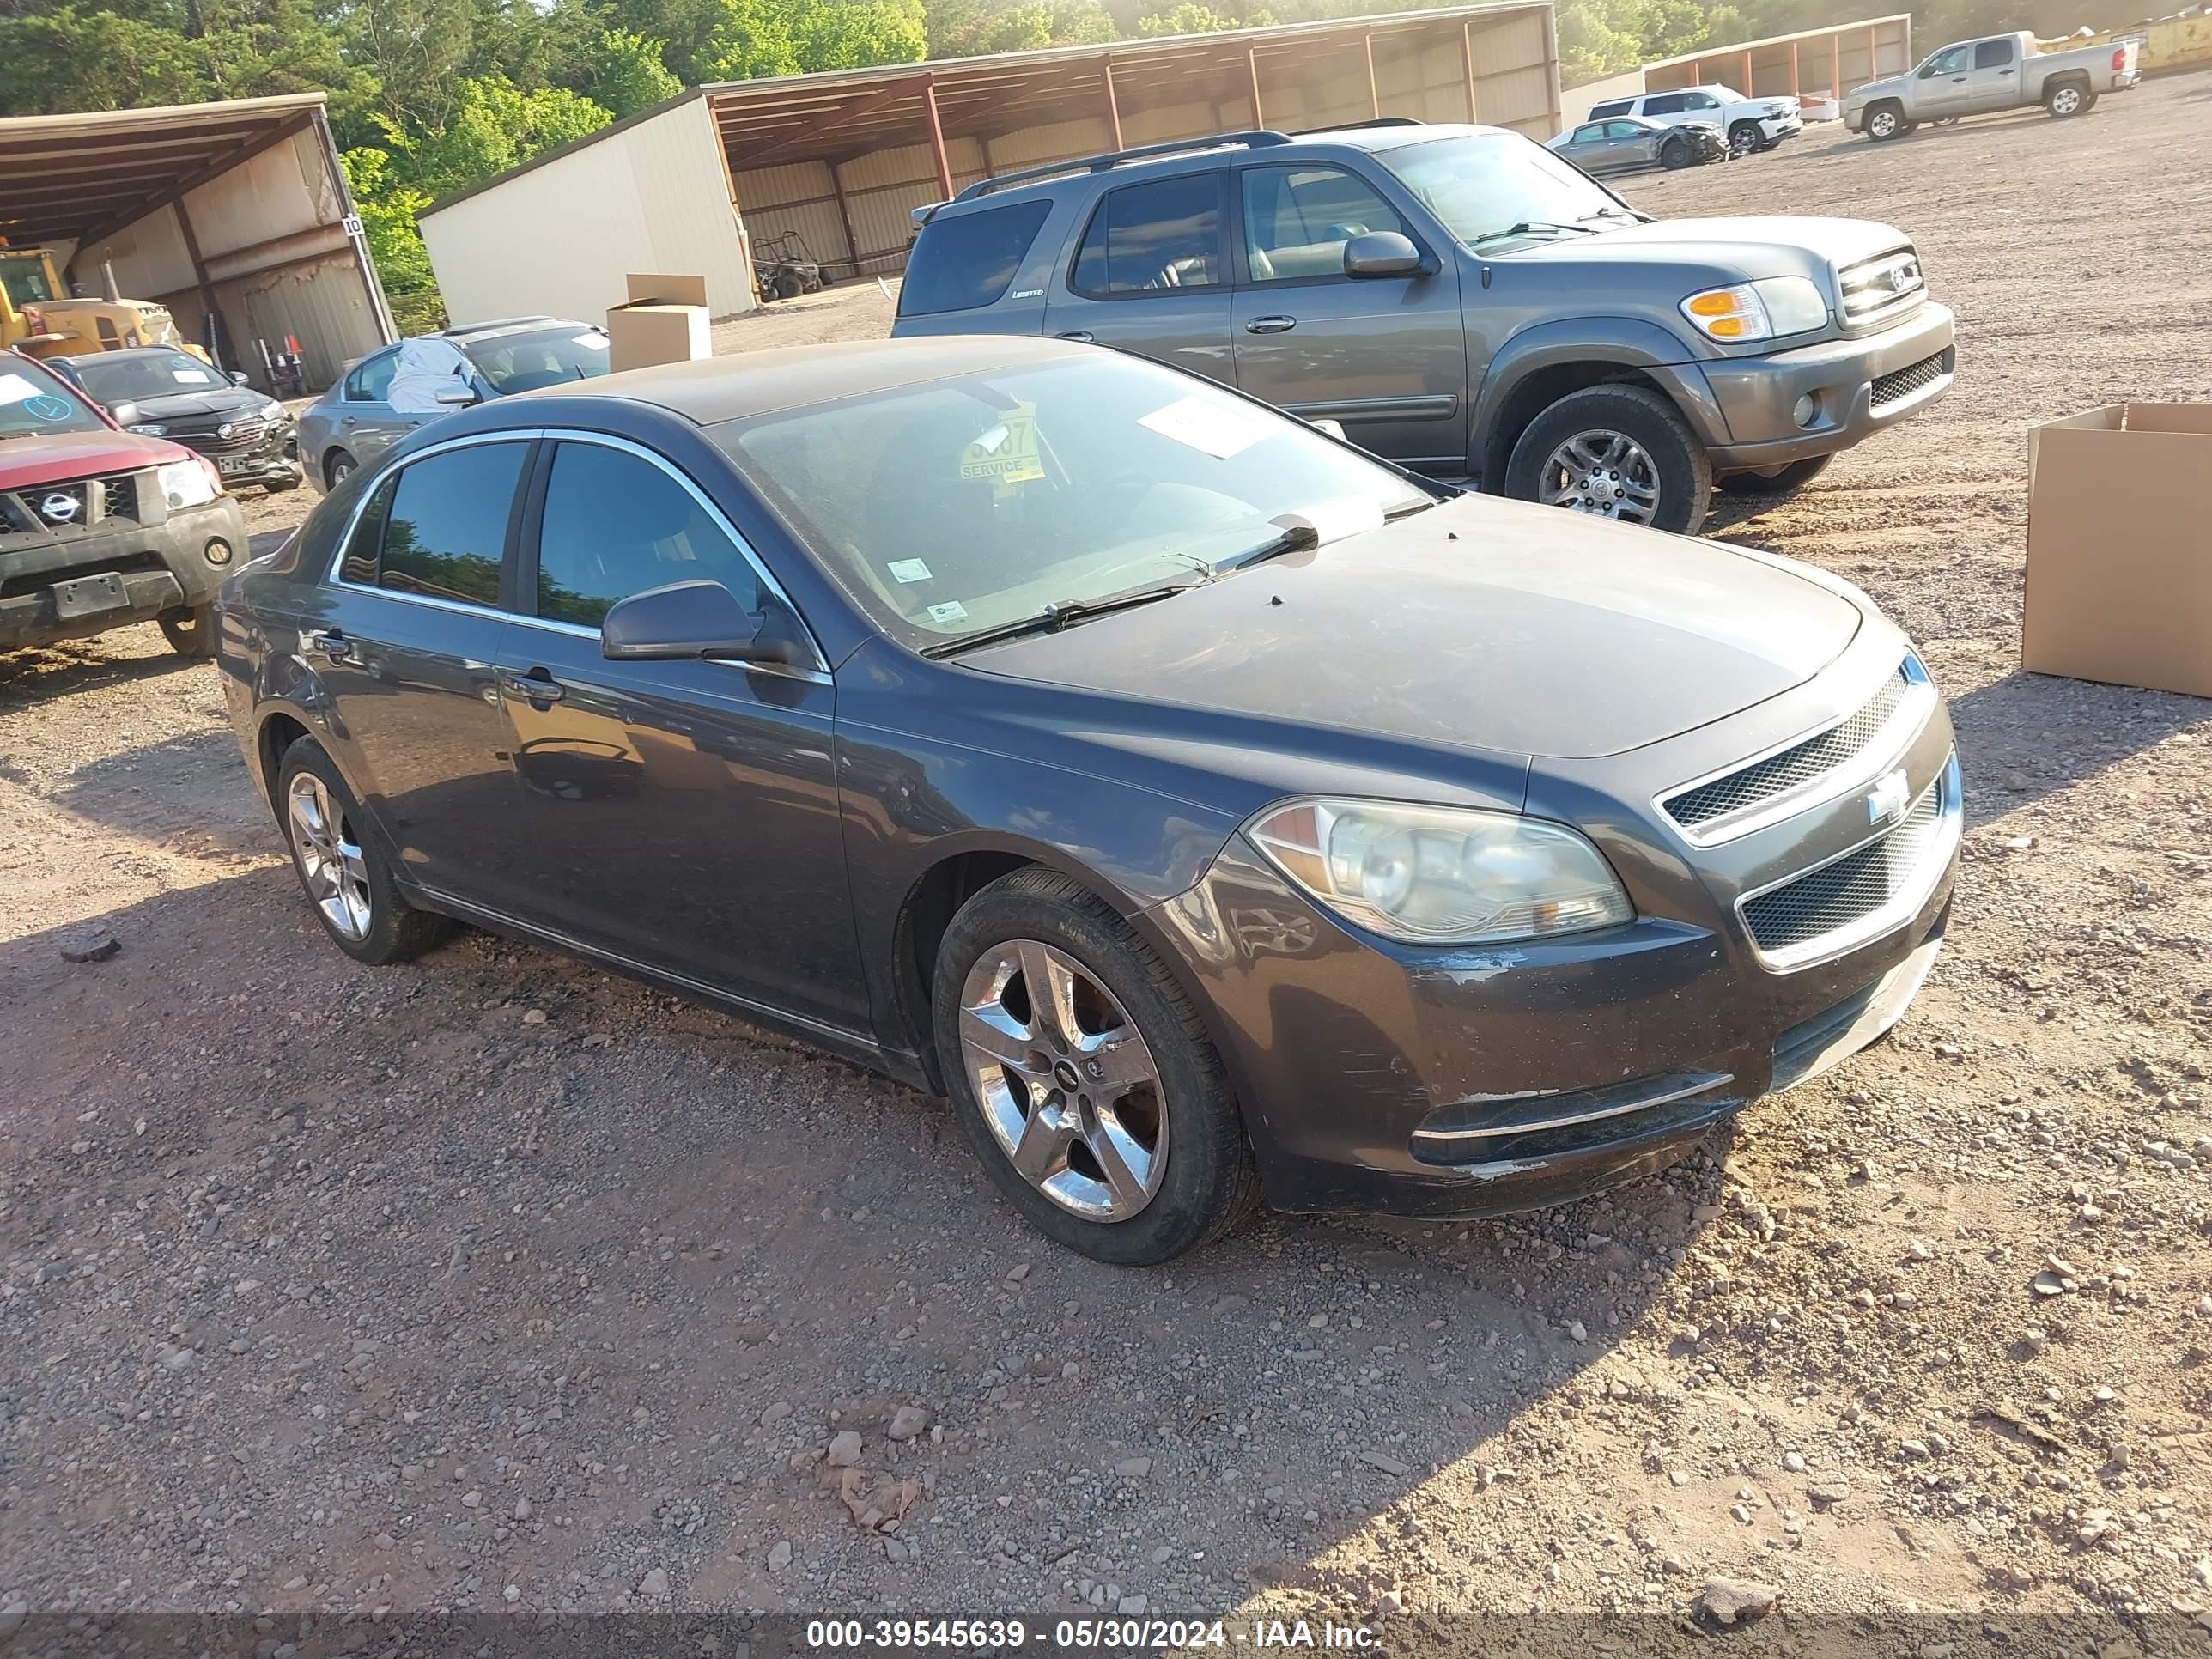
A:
(1250, 138)
(1354, 126)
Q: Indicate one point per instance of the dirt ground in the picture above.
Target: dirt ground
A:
(495, 1282)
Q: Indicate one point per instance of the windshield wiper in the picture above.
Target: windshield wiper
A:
(1528, 226)
(1294, 538)
(1064, 614)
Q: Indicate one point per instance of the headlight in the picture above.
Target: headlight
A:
(1765, 310)
(1441, 875)
(188, 483)
(148, 430)
(271, 410)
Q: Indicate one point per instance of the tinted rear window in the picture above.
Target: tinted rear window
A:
(968, 260)
(1622, 107)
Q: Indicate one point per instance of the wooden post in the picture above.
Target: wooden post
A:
(1750, 90)
(845, 218)
(937, 139)
(1252, 74)
(1374, 97)
(1466, 68)
(1113, 105)
(1836, 70)
(1874, 56)
(1794, 92)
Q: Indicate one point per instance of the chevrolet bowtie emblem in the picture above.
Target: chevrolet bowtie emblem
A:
(1884, 802)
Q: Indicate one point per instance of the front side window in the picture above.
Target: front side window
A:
(1481, 186)
(968, 261)
(1157, 236)
(372, 379)
(1297, 219)
(35, 399)
(1992, 54)
(1623, 130)
(438, 529)
(543, 356)
(616, 524)
(1701, 100)
(1952, 61)
(1590, 134)
(963, 504)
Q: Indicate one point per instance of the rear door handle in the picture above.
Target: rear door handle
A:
(332, 644)
(1082, 335)
(536, 686)
(1271, 325)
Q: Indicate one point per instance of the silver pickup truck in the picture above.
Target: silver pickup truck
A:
(1982, 77)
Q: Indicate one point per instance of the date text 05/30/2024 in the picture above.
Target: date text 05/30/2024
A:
(1077, 1635)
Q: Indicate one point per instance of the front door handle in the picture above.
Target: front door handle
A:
(332, 644)
(1081, 335)
(1271, 325)
(536, 688)
(2004, 71)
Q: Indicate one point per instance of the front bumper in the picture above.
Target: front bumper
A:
(1477, 1081)
(1780, 127)
(273, 461)
(75, 586)
(1758, 395)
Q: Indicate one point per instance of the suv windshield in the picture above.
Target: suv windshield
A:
(960, 505)
(115, 377)
(33, 401)
(1483, 185)
(540, 356)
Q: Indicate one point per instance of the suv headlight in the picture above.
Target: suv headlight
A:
(148, 429)
(1768, 309)
(1442, 875)
(188, 483)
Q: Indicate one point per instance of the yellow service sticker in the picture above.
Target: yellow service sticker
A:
(1007, 453)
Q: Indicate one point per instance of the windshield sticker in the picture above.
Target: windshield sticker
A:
(951, 611)
(14, 389)
(1007, 453)
(596, 342)
(1219, 429)
(47, 407)
(191, 376)
(908, 570)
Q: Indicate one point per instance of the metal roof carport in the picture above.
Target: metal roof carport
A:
(842, 157)
(237, 210)
(1819, 63)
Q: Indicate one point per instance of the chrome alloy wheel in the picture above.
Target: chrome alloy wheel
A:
(1882, 124)
(1071, 1091)
(2066, 100)
(1605, 473)
(330, 857)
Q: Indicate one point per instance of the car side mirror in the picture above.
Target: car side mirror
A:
(1333, 427)
(1382, 253)
(237, 376)
(689, 620)
(457, 396)
(123, 413)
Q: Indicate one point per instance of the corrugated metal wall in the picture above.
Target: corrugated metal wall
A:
(270, 227)
(1515, 76)
(560, 238)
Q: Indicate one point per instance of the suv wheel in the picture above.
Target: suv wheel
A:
(1885, 122)
(1616, 452)
(344, 876)
(190, 633)
(1083, 1076)
(1746, 139)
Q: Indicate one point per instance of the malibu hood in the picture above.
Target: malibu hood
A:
(1480, 624)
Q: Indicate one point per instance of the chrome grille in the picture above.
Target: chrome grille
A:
(1784, 773)
(1830, 898)
(1889, 283)
(226, 439)
(1900, 383)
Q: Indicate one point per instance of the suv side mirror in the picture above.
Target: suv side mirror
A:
(688, 620)
(1381, 253)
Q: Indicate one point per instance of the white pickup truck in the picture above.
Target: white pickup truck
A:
(1982, 77)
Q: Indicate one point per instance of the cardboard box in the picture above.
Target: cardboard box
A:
(2119, 547)
(665, 321)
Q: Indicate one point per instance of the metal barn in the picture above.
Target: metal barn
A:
(1822, 63)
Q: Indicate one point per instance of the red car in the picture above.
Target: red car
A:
(101, 528)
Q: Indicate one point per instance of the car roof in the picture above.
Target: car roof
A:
(712, 389)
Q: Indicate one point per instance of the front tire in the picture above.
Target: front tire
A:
(1885, 122)
(1083, 1076)
(340, 868)
(1616, 451)
(191, 633)
(1792, 477)
(1674, 154)
(1744, 138)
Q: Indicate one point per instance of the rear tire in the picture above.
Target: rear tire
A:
(191, 633)
(1677, 461)
(2067, 99)
(1674, 154)
(1793, 476)
(336, 467)
(1037, 923)
(348, 884)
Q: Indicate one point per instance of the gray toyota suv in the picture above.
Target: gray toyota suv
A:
(1462, 301)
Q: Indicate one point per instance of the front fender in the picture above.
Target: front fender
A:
(1623, 341)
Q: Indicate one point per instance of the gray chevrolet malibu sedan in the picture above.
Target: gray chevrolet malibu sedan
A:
(1209, 810)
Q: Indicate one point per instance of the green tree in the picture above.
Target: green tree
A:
(627, 73)
(68, 58)
(759, 38)
(494, 126)
(1193, 18)
(388, 210)
(974, 29)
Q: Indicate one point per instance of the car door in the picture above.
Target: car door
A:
(1385, 356)
(681, 815)
(1150, 273)
(1992, 76)
(1939, 90)
(367, 425)
(1588, 147)
(405, 649)
(1633, 144)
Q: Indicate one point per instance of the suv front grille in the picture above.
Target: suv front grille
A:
(1884, 286)
(73, 504)
(1830, 906)
(1900, 383)
(119, 496)
(1702, 810)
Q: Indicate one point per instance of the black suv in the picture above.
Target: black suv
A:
(1461, 300)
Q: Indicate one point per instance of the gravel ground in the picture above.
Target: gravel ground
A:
(495, 1282)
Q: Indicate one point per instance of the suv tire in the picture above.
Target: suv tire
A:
(190, 632)
(1886, 121)
(342, 871)
(1746, 138)
(1674, 459)
(1792, 477)
(1037, 923)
